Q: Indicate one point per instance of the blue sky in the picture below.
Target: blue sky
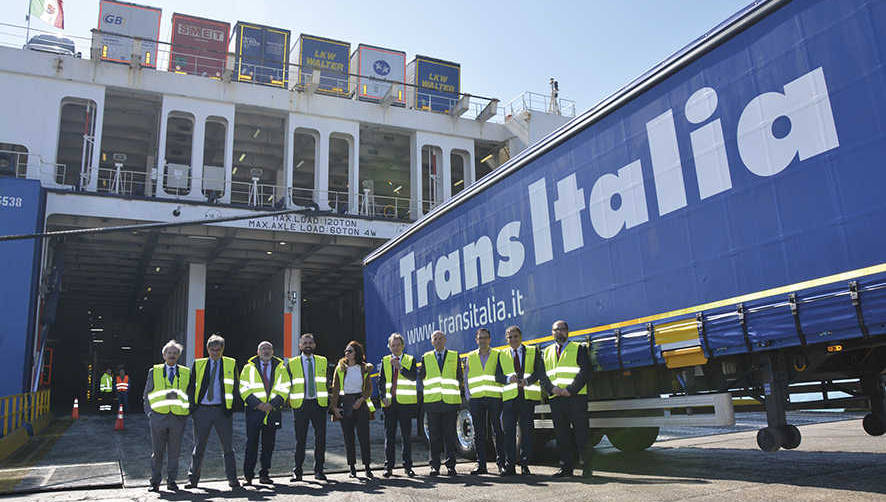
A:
(592, 47)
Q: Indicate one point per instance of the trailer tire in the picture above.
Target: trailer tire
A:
(464, 434)
(632, 439)
(873, 425)
(790, 437)
(769, 439)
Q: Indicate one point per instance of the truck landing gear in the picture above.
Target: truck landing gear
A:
(872, 384)
(778, 434)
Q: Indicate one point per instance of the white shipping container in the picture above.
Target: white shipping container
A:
(121, 24)
(379, 70)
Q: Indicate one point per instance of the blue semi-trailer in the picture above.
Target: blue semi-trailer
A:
(714, 230)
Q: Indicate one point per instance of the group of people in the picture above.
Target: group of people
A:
(502, 388)
(110, 388)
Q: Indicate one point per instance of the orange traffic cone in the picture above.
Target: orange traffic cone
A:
(118, 425)
(75, 411)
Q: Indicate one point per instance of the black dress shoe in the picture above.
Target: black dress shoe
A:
(247, 482)
(388, 473)
(507, 471)
(434, 473)
(476, 472)
(319, 476)
(450, 471)
(296, 476)
(409, 472)
(369, 474)
(524, 470)
(190, 485)
(171, 486)
(154, 487)
(265, 480)
(502, 470)
(353, 473)
(563, 473)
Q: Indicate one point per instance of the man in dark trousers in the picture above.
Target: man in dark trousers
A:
(569, 368)
(264, 386)
(309, 400)
(522, 371)
(397, 385)
(441, 374)
(166, 405)
(211, 392)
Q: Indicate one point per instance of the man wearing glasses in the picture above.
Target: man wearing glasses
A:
(568, 368)
(523, 370)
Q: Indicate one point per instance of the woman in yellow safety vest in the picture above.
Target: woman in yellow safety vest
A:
(351, 390)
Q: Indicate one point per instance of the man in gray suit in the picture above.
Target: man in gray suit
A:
(212, 390)
(167, 407)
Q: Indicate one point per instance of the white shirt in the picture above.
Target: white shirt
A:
(353, 383)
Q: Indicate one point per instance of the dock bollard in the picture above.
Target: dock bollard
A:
(118, 425)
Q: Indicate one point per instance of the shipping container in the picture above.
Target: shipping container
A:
(712, 230)
(21, 212)
(199, 46)
(433, 84)
(261, 54)
(327, 56)
(126, 30)
(379, 71)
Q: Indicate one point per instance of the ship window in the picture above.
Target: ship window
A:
(179, 142)
(214, 137)
(303, 155)
(457, 168)
(339, 160)
(13, 160)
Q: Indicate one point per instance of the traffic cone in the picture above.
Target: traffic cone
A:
(75, 411)
(118, 425)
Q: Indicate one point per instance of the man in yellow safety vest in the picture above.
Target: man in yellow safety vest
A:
(211, 394)
(167, 406)
(568, 369)
(309, 400)
(397, 385)
(441, 375)
(484, 392)
(264, 386)
(523, 370)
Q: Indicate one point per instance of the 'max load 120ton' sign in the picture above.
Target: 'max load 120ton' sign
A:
(773, 128)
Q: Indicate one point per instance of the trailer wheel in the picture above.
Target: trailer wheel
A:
(769, 439)
(791, 437)
(632, 439)
(464, 433)
(595, 436)
(873, 425)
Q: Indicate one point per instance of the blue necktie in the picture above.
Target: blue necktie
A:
(171, 375)
(311, 388)
(440, 360)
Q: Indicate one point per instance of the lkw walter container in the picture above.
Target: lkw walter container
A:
(434, 84)
(261, 54)
(379, 71)
(199, 45)
(127, 31)
(329, 58)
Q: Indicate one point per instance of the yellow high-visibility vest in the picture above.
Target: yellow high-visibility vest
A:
(562, 371)
(510, 390)
(228, 365)
(481, 379)
(441, 386)
(170, 398)
(407, 392)
(251, 383)
(106, 384)
(297, 391)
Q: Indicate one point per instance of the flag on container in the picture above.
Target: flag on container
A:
(50, 11)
